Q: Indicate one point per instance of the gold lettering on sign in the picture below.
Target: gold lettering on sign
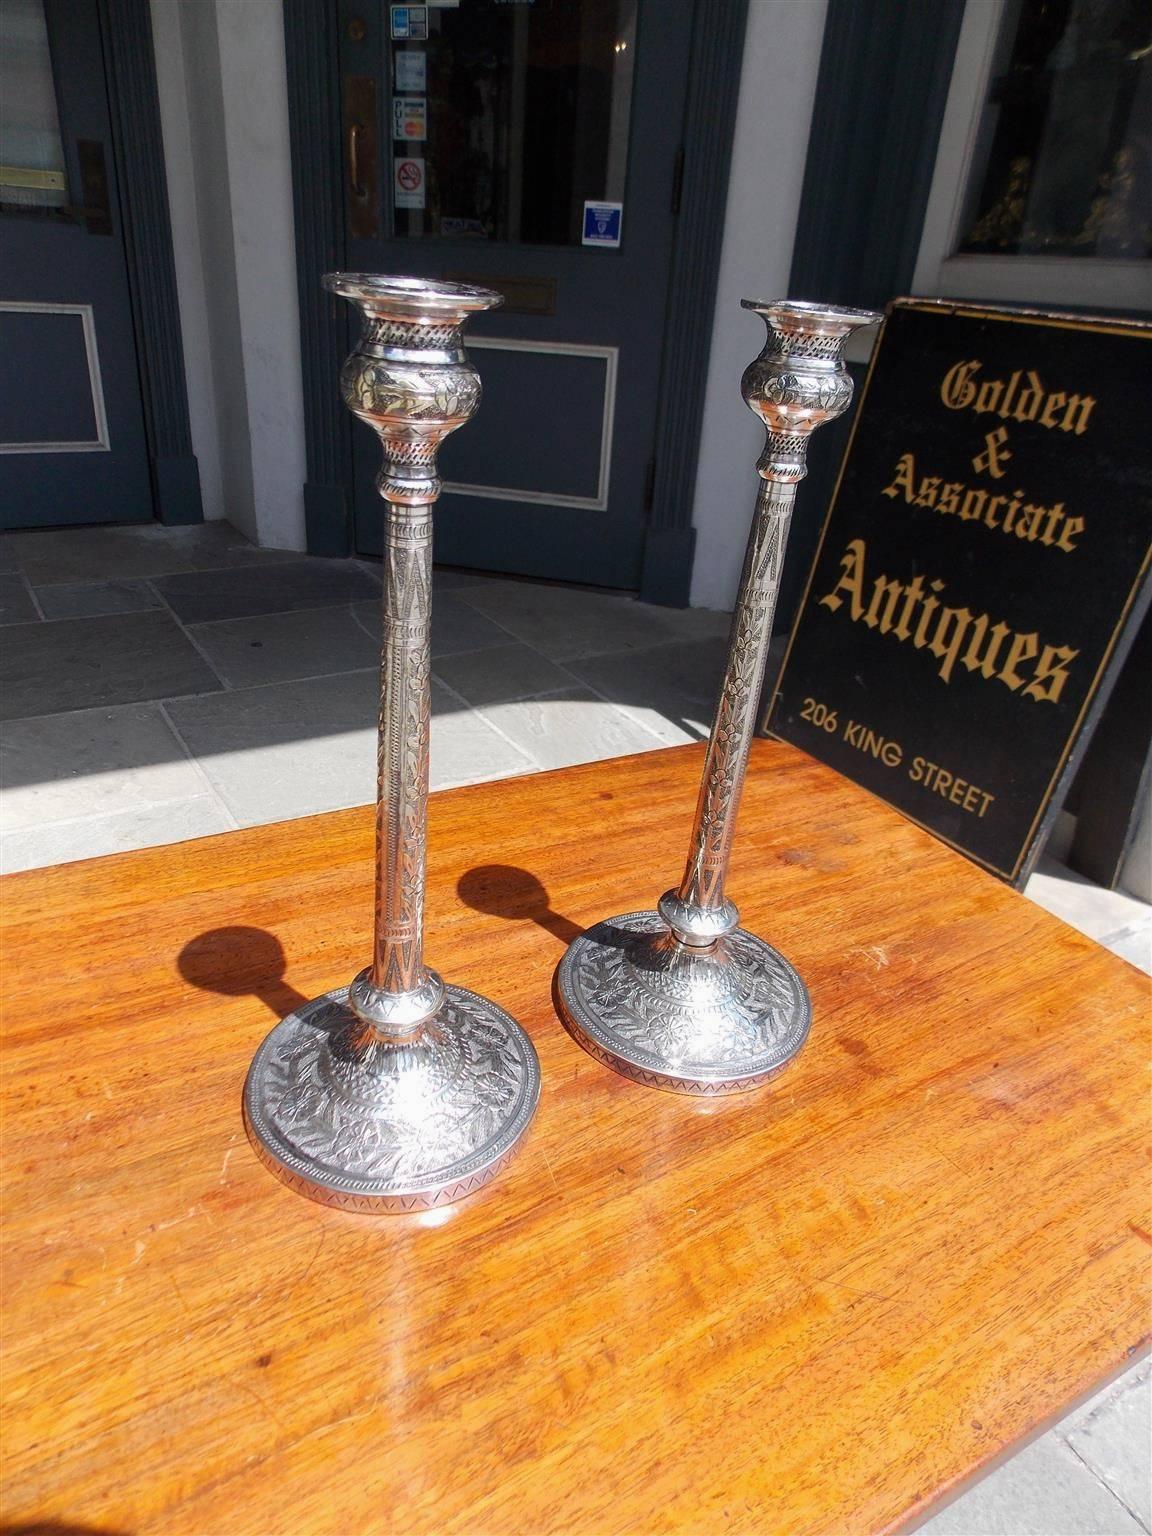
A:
(1022, 397)
(995, 449)
(969, 797)
(1005, 513)
(1022, 662)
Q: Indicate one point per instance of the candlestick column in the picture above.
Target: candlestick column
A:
(683, 998)
(398, 1091)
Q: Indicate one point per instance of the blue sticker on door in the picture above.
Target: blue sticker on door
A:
(602, 224)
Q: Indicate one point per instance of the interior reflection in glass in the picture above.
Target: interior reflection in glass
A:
(1064, 158)
(522, 118)
(31, 157)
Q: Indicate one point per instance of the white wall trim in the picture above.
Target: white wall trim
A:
(782, 49)
(975, 54)
(179, 171)
(223, 90)
(254, 89)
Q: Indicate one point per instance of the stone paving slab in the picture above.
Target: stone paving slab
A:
(456, 626)
(466, 748)
(507, 671)
(279, 647)
(565, 622)
(555, 730)
(196, 597)
(1081, 904)
(46, 668)
(90, 599)
(16, 605)
(1133, 944)
(52, 555)
(285, 749)
(147, 826)
(678, 682)
(1114, 1440)
(92, 762)
(89, 554)
(1044, 1490)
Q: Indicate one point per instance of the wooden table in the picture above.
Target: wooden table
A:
(810, 1309)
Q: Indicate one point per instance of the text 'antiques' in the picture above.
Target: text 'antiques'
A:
(980, 569)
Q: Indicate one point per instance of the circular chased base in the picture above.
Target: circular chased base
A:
(373, 1127)
(716, 1022)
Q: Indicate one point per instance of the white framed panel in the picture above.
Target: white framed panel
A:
(100, 443)
(610, 358)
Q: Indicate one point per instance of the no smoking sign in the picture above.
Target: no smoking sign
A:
(408, 182)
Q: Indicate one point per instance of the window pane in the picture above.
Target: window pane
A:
(509, 116)
(1064, 162)
(31, 158)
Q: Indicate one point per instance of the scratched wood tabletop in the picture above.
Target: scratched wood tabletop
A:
(814, 1308)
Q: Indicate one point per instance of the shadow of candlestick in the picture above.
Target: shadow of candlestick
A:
(238, 961)
(505, 890)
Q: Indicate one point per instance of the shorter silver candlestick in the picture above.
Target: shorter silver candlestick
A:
(682, 998)
(399, 1091)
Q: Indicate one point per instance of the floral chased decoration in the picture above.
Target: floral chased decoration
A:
(377, 389)
(723, 777)
(645, 1002)
(391, 1122)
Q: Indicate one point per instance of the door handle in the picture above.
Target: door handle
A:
(361, 157)
(358, 189)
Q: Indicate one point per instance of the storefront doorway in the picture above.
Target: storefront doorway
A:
(533, 149)
(573, 154)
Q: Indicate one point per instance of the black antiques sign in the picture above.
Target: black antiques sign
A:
(981, 571)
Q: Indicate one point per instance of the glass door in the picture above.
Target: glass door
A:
(532, 148)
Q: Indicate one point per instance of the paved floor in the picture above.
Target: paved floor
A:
(190, 683)
(160, 684)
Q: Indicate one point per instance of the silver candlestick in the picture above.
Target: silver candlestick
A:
(398, 1092)
(682, 998)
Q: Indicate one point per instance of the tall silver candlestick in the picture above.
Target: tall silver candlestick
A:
(398, 1092)
(682, 998)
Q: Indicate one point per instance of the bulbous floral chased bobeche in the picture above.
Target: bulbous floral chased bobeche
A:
(799, 381)
(398, 1091)
(682, 998)
(409, 376)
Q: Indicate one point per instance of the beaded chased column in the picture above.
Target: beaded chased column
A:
(399, 1091)
(682, 998)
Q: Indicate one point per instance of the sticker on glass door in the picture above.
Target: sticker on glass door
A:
(409, 117)
(409, 21)
(602, 224)
(412, 71)
(408, 182)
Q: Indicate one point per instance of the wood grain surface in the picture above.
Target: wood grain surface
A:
(808, 1309)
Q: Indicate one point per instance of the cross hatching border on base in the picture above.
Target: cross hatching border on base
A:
(324, 1194)
(682, 1085)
